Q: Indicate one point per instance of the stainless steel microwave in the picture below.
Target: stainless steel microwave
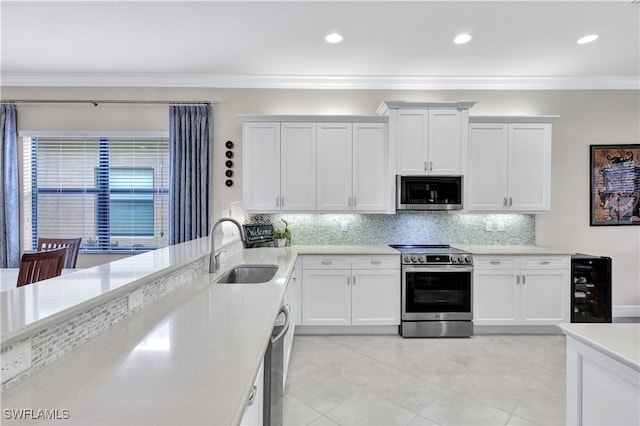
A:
(429, 192)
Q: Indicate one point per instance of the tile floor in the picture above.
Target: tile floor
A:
(388, 380)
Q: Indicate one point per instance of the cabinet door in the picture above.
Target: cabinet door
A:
(261, 166)
(544, 296)
(529, 167)
(298, 166)
(375, 297)
(445, 142)
(326, 297)
(496, 297)
(370, 157)
(487, 177)
(334, 166)
(412, 136)
(253, 413)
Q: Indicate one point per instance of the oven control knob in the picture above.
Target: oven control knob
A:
(421, 259)
(414, 258)
(467, 259)
(407, 259)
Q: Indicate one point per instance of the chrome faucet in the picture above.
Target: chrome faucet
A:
(214, 258)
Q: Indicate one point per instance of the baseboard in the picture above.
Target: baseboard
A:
(625, 311)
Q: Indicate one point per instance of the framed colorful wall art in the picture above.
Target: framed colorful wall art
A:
(615, 185)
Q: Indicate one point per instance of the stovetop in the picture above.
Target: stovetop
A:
(432, 254)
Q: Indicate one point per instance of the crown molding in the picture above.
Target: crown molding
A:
(319, 82)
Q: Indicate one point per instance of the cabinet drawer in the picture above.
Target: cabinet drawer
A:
(546, 262)
(375, 262)
(326, 262)
(482, 262)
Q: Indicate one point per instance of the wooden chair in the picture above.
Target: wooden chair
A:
(41, 265)
(71, 244)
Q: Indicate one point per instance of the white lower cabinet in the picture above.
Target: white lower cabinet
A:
(521, 290)
(253, 414)
(351, 290)
(292, 298)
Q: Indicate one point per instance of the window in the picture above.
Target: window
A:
(113, 192)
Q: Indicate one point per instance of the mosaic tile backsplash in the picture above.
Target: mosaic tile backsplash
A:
(404, 228)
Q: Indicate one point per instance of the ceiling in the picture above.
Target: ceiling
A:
(387, 44)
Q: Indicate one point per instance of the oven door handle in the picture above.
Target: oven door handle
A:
(443, 268)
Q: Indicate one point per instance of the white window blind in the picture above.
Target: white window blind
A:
(112, 192)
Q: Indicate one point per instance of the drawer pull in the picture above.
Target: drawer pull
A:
(544, 262)
(252, 397)
(495, 262)
(376, 262)
(326, 262)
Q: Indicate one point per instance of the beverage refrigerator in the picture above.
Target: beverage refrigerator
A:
(590, 288)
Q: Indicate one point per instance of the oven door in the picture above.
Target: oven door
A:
(437, 293)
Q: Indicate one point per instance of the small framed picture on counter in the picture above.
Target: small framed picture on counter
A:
(615, 185)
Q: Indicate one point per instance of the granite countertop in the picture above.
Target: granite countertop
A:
(514, 250)
(618, 341)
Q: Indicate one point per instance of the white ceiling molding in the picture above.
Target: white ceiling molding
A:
(319, 82)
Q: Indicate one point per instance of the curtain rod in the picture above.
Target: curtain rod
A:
(98, 102)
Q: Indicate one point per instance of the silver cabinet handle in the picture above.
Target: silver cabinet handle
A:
(349, 201)
(252, 396)
(524, 279)
(354, 280)
(284, 309)
(376, 262)
(504, 203)
(517, 279)
(282, 201)
(348, 280)
(326, 262)
(354, 202)
(495, 262)
(425, 166)
(510, 201)
(430, 166)
(544, 262)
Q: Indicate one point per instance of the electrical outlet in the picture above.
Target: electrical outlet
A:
(16, 360)
(501, 227)
(135, 299)
(344, 226)
(488, 226)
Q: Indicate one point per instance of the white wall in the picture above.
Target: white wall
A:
(587, 117)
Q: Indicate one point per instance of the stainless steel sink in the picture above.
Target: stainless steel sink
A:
(248, 274)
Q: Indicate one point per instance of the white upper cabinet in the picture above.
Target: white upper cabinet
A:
(297, 166)
(279, 166)
(261, 166)
(428, 138)
(509, 164)
(316, 165)
(334, 166)
(370, 167)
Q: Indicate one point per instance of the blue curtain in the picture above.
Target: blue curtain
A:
(190, 171)
(9, 190)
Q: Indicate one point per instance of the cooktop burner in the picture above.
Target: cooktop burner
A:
(426, 248)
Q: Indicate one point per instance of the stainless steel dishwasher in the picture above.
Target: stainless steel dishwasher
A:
(274, 370)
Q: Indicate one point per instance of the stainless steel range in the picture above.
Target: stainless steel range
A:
(437, 291)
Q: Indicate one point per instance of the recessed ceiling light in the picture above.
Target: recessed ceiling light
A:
(462, 39)
(588, 39)
(333, 38)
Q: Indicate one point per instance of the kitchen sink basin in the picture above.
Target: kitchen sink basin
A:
(248, 274)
